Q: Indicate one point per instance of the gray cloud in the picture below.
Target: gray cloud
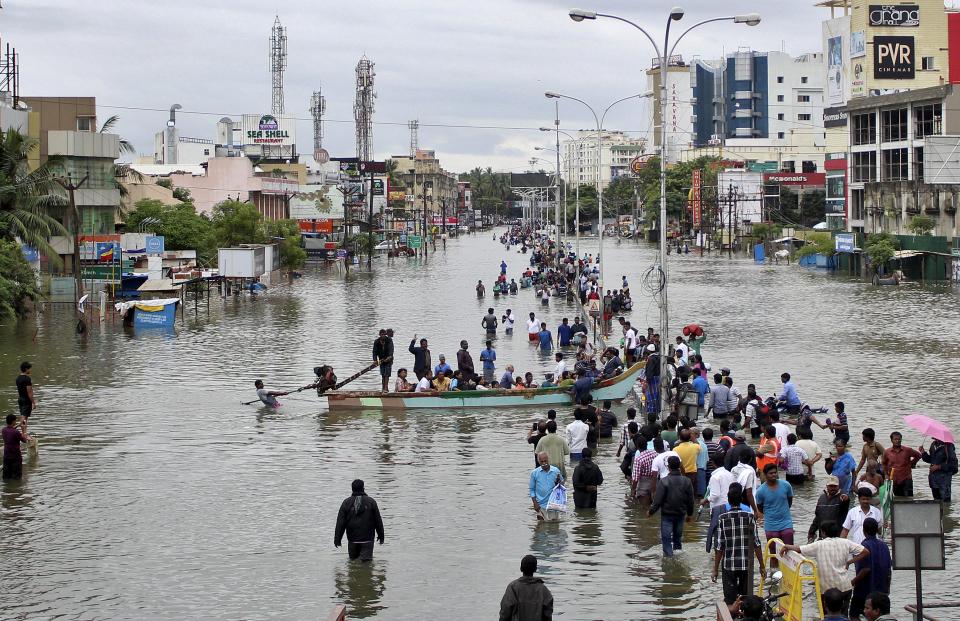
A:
(442, 61)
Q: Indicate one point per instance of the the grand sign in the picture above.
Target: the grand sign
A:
(894, 15)
(893, 58)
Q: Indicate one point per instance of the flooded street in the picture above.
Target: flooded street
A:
(157, 495)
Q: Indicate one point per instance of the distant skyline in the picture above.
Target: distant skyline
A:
(446, 63)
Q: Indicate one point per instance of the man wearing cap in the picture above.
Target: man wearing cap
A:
(853, 524)
(832, 506)
(674, 500)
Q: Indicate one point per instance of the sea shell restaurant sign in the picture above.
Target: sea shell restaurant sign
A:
(267, 129)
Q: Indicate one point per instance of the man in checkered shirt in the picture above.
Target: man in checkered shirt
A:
(642, 478)
(736, 536)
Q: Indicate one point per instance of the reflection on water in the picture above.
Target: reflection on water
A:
(361, 586)
(157, 495)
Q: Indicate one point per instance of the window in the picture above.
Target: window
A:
(206, 151)
(918, 164)
(803, 79)
(788, 167)
(893, 125)
(808, 166)
(864, 128)
(927, 120)
(803, 98)
(779, 97)
(780, 135)
(928, 63)
(864, 166)
(857, 204)
(894, 164)
(779, 79)
(780, 117)
(86, 123)
(803, 117)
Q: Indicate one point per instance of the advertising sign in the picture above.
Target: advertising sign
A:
(858, 44)
(696, 205)
(279, 185)
(397, 195)
(858, 86)
(451, 220)
(155, 244)
(378, 187)
(816, 179)
(637, 164)
(30, 254)
(108, 252)
(893, 58)
(414, 241)
(835, 70)
(834, 117)
(844, 242)
(894, 15)
(267, 129)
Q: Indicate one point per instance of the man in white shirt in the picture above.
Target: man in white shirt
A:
(853, 524)
(577, 437)
(533, 328)
(810, 447)
(745, 474)
(560, 368)
(684, 350)
(424, 384)
(629, 344)
(720, 480)
(659, 466)
(782, 430)
(508, 320)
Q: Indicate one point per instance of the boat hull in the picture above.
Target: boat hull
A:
(615, 389)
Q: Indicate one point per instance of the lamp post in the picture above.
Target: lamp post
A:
(664, 54)
(558, 196)
(599, 120)
(576, 191)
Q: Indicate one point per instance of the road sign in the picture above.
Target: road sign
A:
(637, 163)
(594, 308)
(155, 244)
(341, 254)
(321, 156)
(844, 242)
(414, 241)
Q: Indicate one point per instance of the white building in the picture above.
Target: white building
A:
(680, 112)
(580, 156)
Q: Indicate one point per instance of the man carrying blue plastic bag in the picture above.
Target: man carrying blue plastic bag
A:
(544, 490)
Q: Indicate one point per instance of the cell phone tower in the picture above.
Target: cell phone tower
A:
(414, 127)
(363, 109)
(318, 107)
(278, 63)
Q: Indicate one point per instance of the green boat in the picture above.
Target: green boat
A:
(613, 389)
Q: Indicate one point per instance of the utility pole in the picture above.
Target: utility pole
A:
(730, 199)
(370, 236)
(72, 187)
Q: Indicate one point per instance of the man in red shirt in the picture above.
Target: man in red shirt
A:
(898, 463)
(12, 458)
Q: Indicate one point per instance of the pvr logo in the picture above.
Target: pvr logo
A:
(897, 54)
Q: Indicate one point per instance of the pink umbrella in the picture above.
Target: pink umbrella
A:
(929, 427)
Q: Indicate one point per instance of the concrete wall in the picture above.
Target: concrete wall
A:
(59, 113)
(226, 178)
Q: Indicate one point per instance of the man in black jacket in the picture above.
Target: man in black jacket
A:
(832, 506)
(527, 598)
(674, 500)
(421, 357)
(383, 350)
(586, 478)
(360, 518)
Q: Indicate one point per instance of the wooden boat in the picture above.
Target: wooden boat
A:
(614, 389)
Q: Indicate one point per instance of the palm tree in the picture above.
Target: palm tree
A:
(26, 196)
(122, 172)
(125, 145)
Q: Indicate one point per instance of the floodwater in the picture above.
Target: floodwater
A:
(157, 495)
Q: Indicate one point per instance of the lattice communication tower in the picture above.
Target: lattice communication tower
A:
(414, 126)
(278, 63)
(363, 109)
(318, 107)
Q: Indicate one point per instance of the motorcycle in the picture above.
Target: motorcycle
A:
(771, 607)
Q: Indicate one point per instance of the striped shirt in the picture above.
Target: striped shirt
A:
(641, 464)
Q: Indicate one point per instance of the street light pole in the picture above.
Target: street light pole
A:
(599, 121)
(664, 54)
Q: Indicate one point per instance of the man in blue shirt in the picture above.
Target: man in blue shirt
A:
(545, 336)
(564, 333)
(443, 367)
(789, 395)
(503, 267)
(581, 388)
(701, 387)
(774, 499)
(843, 466)
(542, 482)
(506, 380)
(487, 357)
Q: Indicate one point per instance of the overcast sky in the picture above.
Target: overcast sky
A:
(444, 62)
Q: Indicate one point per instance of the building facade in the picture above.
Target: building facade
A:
(680, 113)
(616, 151)
(428, 185)
(58, 114)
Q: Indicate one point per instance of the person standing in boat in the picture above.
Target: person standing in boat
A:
(383, 350)
(421, 357)
(359, 518)
(488, 357)
(268, 397)
(465, 362)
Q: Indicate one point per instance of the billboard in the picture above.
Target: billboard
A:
(893, 58)
(835, 71)
(858, 85)
(695, 203)
(858, 44)
(836, 50)
(787, 178)
(269, 129)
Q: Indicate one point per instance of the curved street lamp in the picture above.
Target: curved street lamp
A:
(664, 54)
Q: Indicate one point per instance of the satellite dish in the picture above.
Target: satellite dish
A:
(321, 156)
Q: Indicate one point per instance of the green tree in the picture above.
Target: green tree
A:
(766, 231)
(806, 213)
(181, 226)
(818, 243)
(286, 234)
(880, 248)
(18, 283)
(237, 222)
(921, 225)
(26, 197)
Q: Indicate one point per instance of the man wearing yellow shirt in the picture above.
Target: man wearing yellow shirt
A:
(442, 382)
(688, 450)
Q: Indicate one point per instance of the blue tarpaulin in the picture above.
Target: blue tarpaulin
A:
(759, 255)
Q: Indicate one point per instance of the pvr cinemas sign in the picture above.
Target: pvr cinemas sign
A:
(893, 58)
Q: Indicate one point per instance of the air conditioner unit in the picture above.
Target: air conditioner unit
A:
(715, 137)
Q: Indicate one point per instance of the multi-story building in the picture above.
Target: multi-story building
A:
(616, 150)
(680, 97)
(760, 107)
(58, 114)
(428, 185)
